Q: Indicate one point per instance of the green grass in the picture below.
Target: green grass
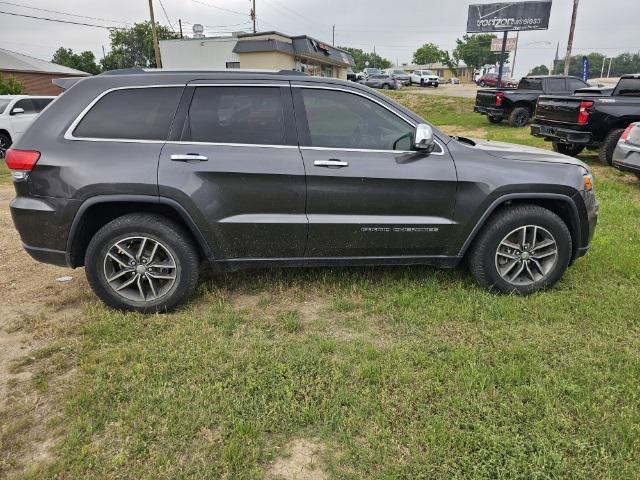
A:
(5, 173)
(399, 372)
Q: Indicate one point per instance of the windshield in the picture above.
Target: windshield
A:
(530, 84)
(3, 104)
(398, 72)
(628, 87)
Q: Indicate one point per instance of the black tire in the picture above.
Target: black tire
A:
(570, 149)
(605, 154)
(435, 85)
(386, 86)
(5, 143)
(482, 256)
(410, 82)
(422, 82)
(519, 117)
(493, 119)
(171, 236)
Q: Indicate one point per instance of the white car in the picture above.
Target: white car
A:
(16, 114)
(424, 78)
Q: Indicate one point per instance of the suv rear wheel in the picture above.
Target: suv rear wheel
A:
(493, 119)
(522, 249)
(142, 262)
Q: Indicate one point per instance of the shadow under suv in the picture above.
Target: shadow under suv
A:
(141, 175)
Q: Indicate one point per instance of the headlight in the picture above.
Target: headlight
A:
(588, 182)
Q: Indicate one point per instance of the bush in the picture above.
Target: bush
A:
(10, 86)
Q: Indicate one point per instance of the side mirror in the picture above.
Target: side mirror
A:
(424, 141)
(17, 110)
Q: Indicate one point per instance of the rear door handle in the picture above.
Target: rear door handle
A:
(189, 157)
(331, 163)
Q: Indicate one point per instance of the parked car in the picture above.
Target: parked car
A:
(400, 75)
(594, 122)
(16, 114)
(384, 81)
(453, 81)
(367, 72)
(424, 78)
(519, 105)
(626, 155)
(491, 80)
(280, 170)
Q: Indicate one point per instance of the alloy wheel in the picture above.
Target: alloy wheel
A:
(140, 269)
(526, 255)
(3, 148)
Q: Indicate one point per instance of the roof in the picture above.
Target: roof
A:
(300, 45)
(23, 63)
(631, 75)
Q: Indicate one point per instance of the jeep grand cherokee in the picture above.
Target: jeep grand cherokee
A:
(140, 175)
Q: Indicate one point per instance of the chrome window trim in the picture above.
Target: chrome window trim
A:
(368, 97)
(68, 135)
(222, 144)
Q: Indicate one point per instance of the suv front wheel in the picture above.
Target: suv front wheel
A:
(142, 262)
(522, 249)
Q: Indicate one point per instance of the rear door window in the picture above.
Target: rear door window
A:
(574, 84)
(41, 103)
(530, 84)
(131, 114)
(245, 115)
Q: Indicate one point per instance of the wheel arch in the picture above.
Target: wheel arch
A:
(560, 204)
(97, 211)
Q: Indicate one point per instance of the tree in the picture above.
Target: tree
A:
(83, 61)
(539, 70)
(10, 86)
(429, 53)
(133, 47)
(475, 50)
(360, 57)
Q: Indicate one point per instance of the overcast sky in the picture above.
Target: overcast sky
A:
(396, 28)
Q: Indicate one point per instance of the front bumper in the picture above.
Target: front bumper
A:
(564, 135)
(592, 207)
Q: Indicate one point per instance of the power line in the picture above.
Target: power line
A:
(62, 13)
(60, 21)
(219, 8)
(167, 16)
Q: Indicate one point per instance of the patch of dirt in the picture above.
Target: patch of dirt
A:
(303, 461)
(35, 308)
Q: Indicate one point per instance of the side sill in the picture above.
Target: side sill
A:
(250, 263)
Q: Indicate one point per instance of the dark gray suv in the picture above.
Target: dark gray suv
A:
(141, 175)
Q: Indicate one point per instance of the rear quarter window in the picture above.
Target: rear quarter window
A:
(628, 87)
(131, 114)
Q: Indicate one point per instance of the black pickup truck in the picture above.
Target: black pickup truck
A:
(593, 122)
(519, 104)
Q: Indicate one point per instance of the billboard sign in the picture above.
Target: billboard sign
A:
(496, 44)
(508, 16)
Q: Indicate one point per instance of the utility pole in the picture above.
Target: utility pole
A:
(567, 58)
(180, 24)
(333, 42)
(604, 60)
(253, 16)
(515, 52)
(609, 70)
(502, 51)
(154, 33)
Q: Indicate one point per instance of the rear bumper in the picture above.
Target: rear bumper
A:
(564, 135)
(492, 111)
(47, 255)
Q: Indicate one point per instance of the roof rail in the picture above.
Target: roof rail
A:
(140, 70)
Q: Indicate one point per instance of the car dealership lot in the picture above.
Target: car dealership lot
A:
(372, 372)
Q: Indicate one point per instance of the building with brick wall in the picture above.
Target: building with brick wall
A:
(35, 74)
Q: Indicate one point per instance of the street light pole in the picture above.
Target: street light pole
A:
(567, 58)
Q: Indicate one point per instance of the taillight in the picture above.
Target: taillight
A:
(583, 114)
(499, 98)
(626, 132)
(21, 162)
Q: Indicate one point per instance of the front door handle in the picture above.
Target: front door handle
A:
(189, 157)
(331, 163)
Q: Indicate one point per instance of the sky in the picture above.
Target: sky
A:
(395, 28)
